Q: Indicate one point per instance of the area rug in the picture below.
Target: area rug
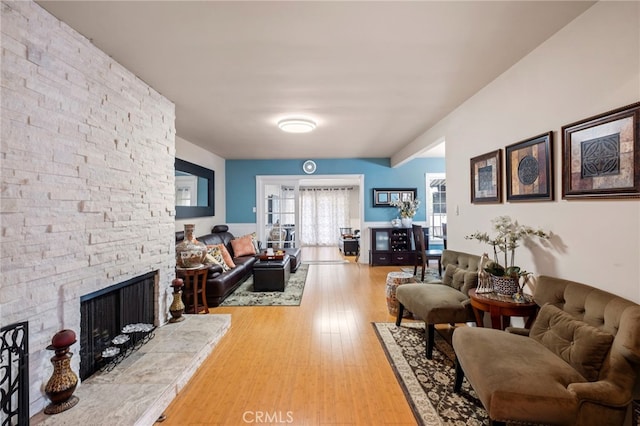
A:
(428, 384)
(291, 296)
(429, 274)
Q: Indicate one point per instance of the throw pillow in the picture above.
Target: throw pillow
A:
(447, 279)
(226, 256)
(583, 346)
(255, 242)
(458, 279)
(243, 246)
(214, 255)
(464, 280)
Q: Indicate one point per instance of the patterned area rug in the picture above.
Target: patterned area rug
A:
(428, 384)
(429, 275)
(291, 296)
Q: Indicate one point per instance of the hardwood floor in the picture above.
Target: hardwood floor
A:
(319, 363)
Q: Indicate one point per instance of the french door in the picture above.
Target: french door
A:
(278, 206)
(277, 212)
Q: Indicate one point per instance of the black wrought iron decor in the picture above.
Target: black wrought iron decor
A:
(14, 374)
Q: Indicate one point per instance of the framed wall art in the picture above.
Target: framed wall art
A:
(529, 169)
(383, 197)
(601, 156)
(486, 178)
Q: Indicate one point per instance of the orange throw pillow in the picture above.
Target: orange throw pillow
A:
(226, 256)
(243, 246)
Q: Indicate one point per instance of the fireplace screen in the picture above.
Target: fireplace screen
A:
(105, 313)
(14, 374)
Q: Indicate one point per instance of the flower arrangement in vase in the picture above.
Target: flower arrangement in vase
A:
(509, 233)
(407, 210)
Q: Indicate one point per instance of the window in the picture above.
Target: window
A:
(437, 206)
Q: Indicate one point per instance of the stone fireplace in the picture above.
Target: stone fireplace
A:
(104, 313)
(87, 181)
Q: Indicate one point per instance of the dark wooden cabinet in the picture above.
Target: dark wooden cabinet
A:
(391, 246)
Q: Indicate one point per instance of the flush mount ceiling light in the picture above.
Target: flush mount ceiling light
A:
(296, 125)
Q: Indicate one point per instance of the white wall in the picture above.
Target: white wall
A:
(589, 67)
(87, 181)
(192, 153)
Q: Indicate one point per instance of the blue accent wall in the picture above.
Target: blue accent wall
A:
(241, 175)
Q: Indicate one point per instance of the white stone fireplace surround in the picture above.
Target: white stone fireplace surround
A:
(87, 180)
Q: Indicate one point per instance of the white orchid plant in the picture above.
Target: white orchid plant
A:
(407, 209)
(509, 233)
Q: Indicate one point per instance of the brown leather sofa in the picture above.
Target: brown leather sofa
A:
(579, 364)
(220, 284)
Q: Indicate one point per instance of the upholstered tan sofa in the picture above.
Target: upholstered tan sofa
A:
(442, 301)
(577, 365)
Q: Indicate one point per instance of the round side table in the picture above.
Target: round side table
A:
(501, 309)
(394, 279)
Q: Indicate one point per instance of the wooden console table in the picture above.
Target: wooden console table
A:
(501, 309)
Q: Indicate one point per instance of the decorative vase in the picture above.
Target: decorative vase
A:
(177, 306)
(507, 286)
(277, 235)
(190, 253)
(396, 223)
(63, 381)
(407, 222)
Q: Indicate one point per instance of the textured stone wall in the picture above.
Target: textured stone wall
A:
(87, 186)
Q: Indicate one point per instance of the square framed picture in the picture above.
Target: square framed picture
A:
(486, 178)
(529, 169)
(383, 197)
(406, 196)
(601, 155)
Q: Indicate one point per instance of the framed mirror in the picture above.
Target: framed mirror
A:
(194, 190)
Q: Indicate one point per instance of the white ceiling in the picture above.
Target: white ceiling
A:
(374, 75)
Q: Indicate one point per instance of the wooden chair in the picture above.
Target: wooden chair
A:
(423, 254)
(444, 235)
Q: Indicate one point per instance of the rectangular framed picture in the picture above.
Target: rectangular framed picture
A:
(383, 197)
(529, 169)
(601, 156)
(486, 178)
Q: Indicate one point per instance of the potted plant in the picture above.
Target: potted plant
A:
(509, 233)
(407, 210)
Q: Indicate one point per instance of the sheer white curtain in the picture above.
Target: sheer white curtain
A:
(323, 211)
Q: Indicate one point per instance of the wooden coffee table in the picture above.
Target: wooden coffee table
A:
(501, 309)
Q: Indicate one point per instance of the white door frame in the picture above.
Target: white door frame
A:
(294, 180)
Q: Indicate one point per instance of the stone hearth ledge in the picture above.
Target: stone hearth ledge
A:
(139, 389)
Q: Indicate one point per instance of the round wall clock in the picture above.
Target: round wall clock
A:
(309, 167)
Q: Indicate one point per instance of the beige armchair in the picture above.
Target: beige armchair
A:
(578, 365)
(443, 301)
